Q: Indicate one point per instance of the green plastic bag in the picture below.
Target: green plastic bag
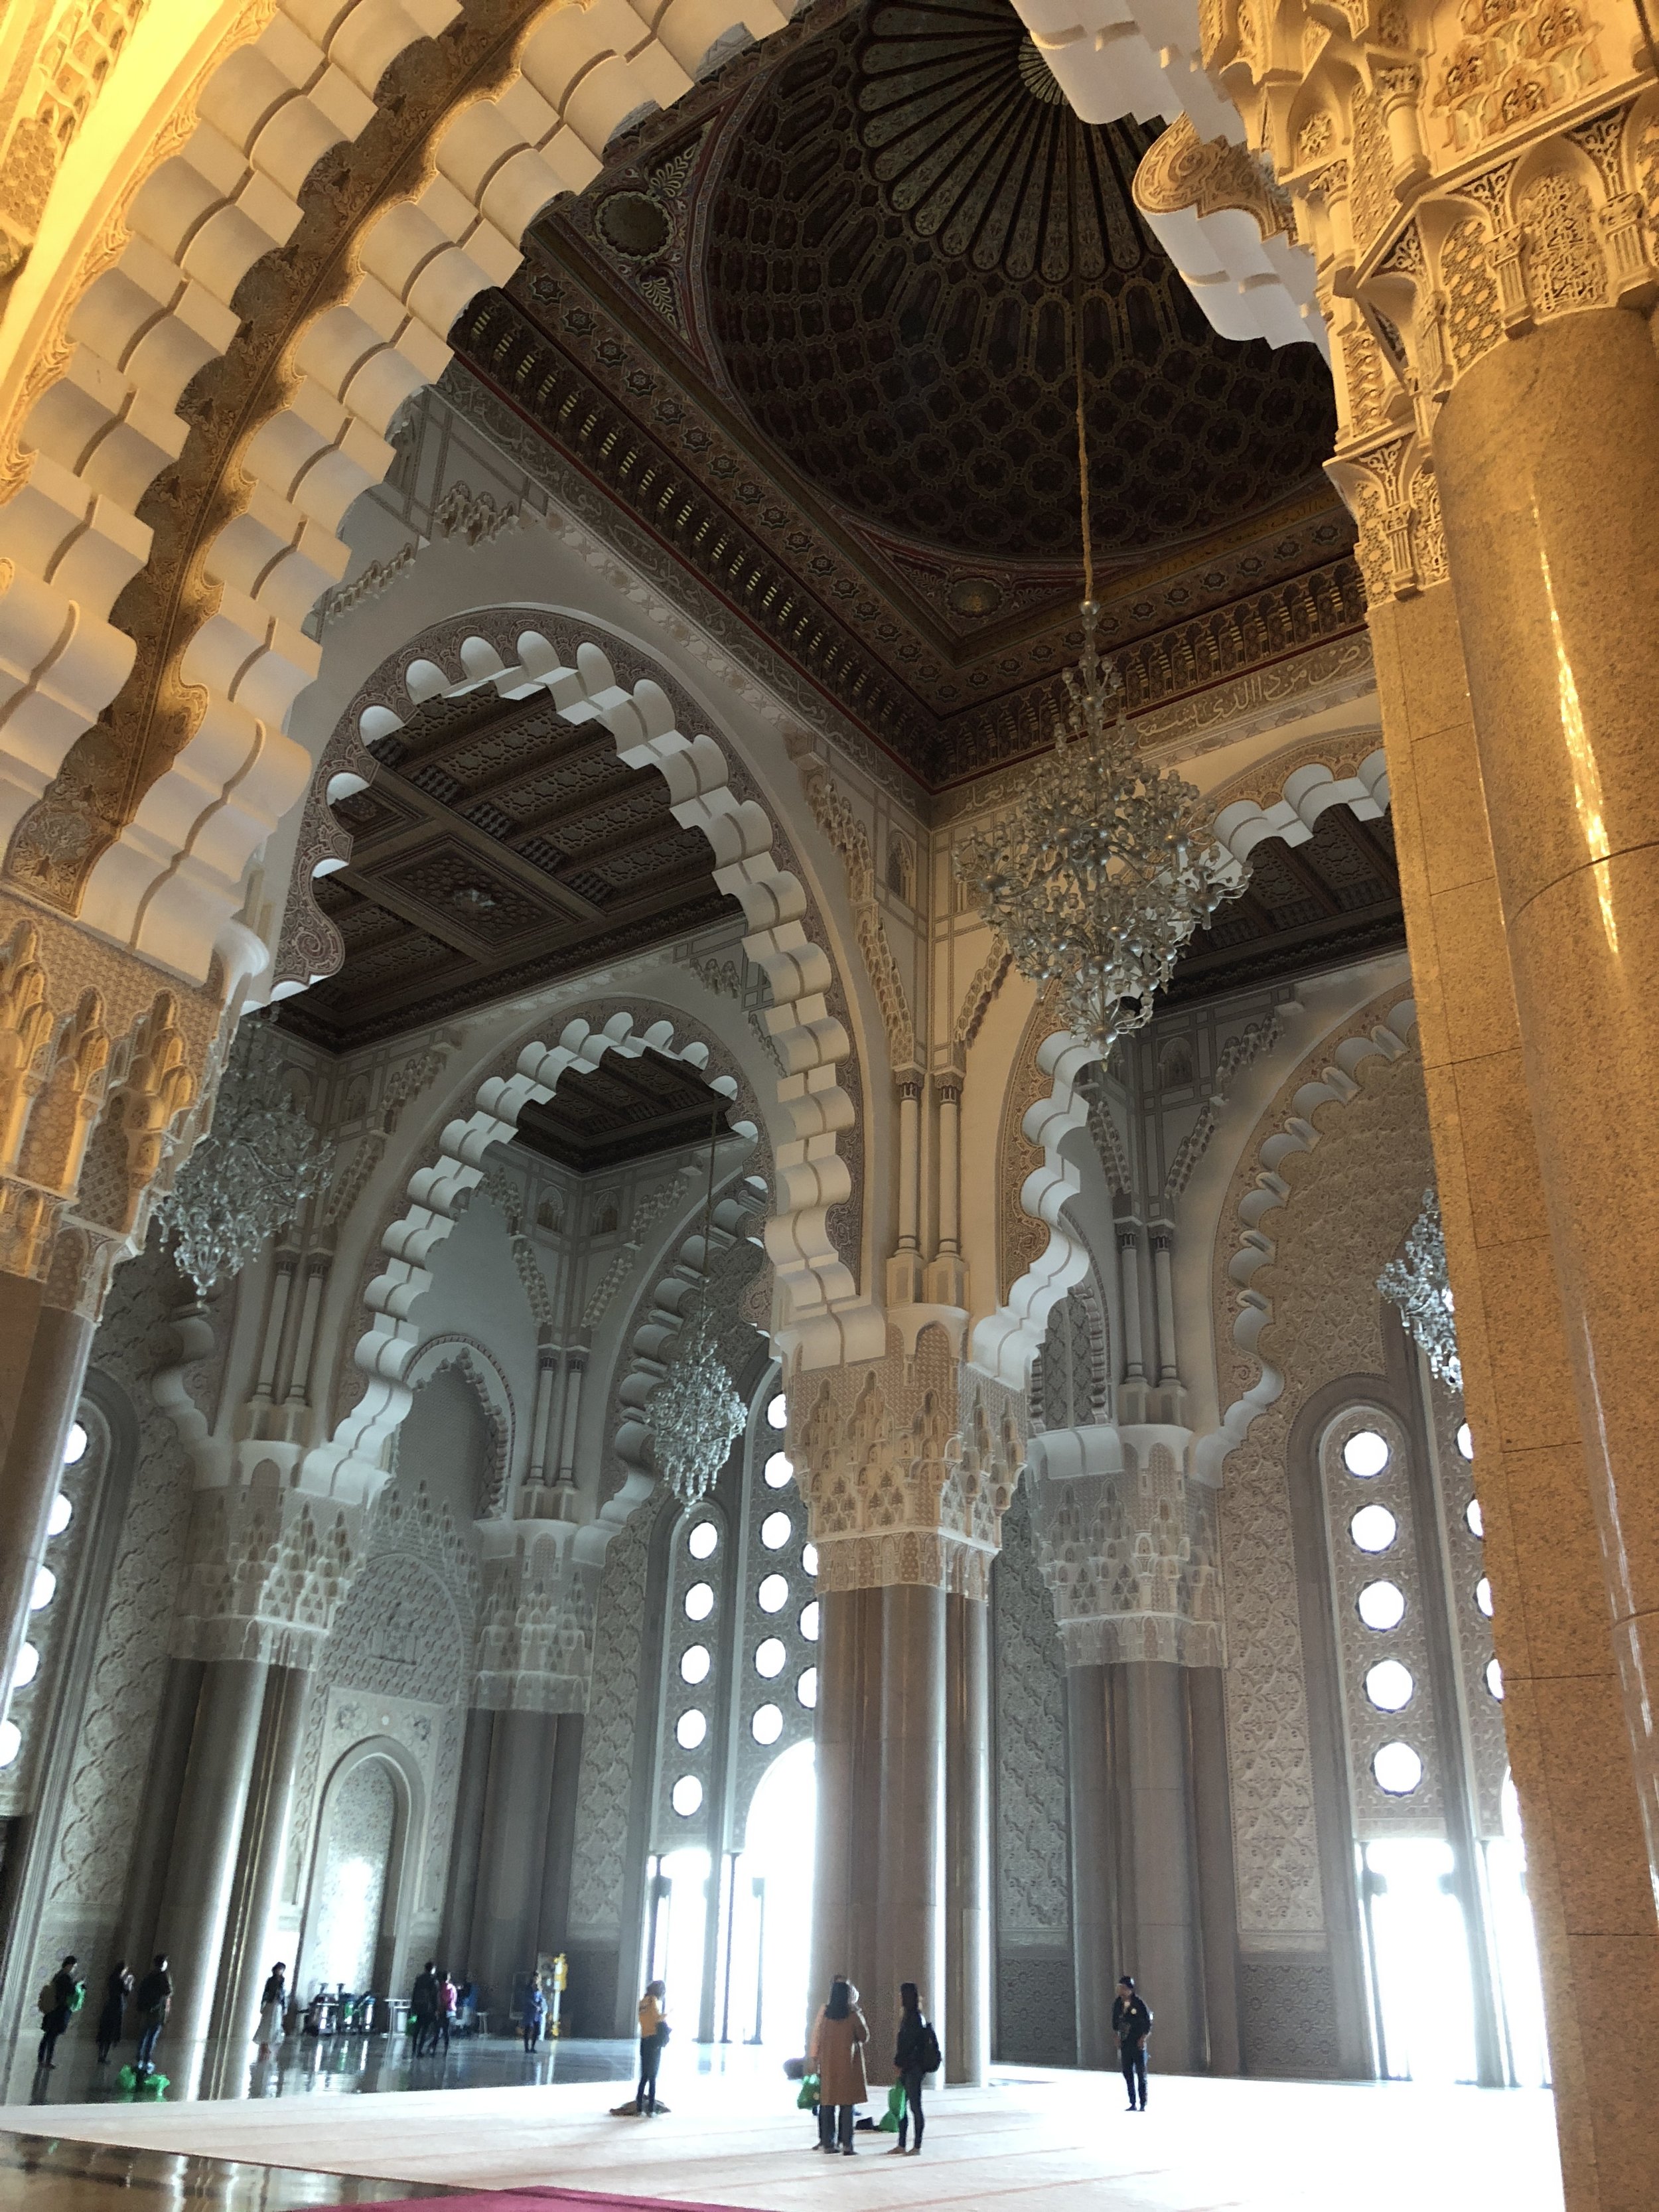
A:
(809, 2094)
(890, 2119)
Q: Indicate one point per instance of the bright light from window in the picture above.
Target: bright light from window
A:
(776, 1530)
(773, 1595)
(1398, 1769)
(769, 1657)
(704, 1540)
(690, 1729)
(1475, 1518)
(1465, 1441)
(61, 1515)
(809, 1621)
(766, 1725)
(1381, 1606)
(809, 1560)
(27, 1667)
(1390, 1686)
(807, 1688)
(46, 1588)
(699, 1601)
(1495, 1679)
(75, 1450)
(1373, 1527)
(694, 1663)
(779, 1469)
(11, 1741)
(777, 1412)
(1483, 1596)
(1365, 1454)
(686, 1796)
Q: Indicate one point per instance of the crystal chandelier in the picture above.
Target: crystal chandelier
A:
(1103, 866)
(1420, 1286)
(248, 1177)
(695, 1411)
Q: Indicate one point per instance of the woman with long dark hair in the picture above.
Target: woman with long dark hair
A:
(843, 2032)
(917, 2055)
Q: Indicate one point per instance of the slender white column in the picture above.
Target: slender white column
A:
(1163, 1237)
(1128, 1255)
(546, 1370)
(275, 1322)
(909, 1204)
(575, 1363)
(298, 1388)
(950, 1166)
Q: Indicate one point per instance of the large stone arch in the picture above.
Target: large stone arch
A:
(252, 259)
(483, 1375)
(812, 1112)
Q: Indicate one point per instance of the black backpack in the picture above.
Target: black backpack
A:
(930, 2055)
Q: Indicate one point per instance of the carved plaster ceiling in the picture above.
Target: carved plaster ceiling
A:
(1319, 905)
(499, 846)
(625, 1108)
(813, 331)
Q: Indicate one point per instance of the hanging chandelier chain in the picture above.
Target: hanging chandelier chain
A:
(695, 1411)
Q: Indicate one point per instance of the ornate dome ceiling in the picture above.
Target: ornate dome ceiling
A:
(906, 217)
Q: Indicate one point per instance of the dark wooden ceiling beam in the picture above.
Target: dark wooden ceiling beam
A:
(490, 853)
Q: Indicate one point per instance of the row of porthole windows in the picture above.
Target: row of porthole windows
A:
(1389, 1685)
(46, 1588)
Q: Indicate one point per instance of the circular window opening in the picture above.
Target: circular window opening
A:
(1381, 1606)
(1495, 1679)
(1474, 1518)
(773, 1595)
(809, 1621)
(694, 1663)
(1390, 1686)
(1465, 1440)
(776, 1530)
(61, 1515)
(686, 1796)
(809, 1560)
(699, 1601)
(779, 1469)
(704, 1540)
(11, 1741)
(27, 1667)
(1373, 1527)
(807, 1688)
(777, 1412)
(45, 1586)
(1365, 1454)
(1398, 1770)
(769, 1657)
(690, 1729)
(767, 1723)
(75, 1448)
(1483, 1596)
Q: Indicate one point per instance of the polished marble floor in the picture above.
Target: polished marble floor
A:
(1035, 2142)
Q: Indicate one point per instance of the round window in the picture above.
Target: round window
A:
(1483, 1596)
(776, 1530)
(1475, 1518)
(807, 1688)
(768, 1724)
(690, 1729)
(769, 1656)
(27, 1667)
(45, 1586)
(1390, 1686)
(694, 1663)
(1465, 1441)
(1495, 1679)
(1373, 1527)
(777, 1412)
(779, 1469)
(1398, 1769)
(1365, 1454)
(704, 1540)
(686, 1796)
(61, 1515)
(809, 1621)
(773, 1595)
(699, 1601)
(11, 1741)
(809, 1560)
(75, 1445)
(1382, 1605)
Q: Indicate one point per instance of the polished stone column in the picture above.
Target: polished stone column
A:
(202, 1871)
(1587, 1875)
(1158, 1826)
(248, 1956)
(512, 1861)
(41, 1373)
(466, 1839)
(1213, 1823)
(1095, 1861)
(967, 2006)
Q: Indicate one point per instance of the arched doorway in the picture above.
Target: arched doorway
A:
(772, 1930)
(350, 1935)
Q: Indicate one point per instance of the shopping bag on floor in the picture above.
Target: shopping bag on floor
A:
(890, 2119)
(809, 2092)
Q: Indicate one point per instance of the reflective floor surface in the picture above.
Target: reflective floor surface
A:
(51, 2175)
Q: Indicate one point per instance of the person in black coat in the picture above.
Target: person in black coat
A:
(65, 1989)
(154, 2001)
(915, 2056)
(423, 2008)
(1132, 2023)
(118, 1990)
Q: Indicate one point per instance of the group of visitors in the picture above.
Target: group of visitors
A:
(62, 1997)
(835, 2051)
(433, 2006)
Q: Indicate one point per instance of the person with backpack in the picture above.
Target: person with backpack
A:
(1132, 2023)
(917, 2054)
(154, 2003)
(654, 2034)
(63, 1995)
(118, 1993)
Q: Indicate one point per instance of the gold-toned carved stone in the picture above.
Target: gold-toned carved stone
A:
(1182, 170)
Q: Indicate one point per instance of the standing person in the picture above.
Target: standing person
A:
(535, 2013)
(154, 2003)
(116, 1991)
(1132, 2023)
(916, 2054)
(842, 2034)
(654, 2033)
(62, 1995)
(273, 2006)
(446, 2019)
(423, 2008)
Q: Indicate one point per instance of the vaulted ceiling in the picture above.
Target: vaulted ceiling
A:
(625, 1108)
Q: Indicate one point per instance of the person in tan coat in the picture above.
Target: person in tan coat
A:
(839, 2037)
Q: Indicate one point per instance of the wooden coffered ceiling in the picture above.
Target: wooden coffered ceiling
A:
(498, 847)
(625, 1108)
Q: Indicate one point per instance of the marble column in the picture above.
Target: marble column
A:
(1158, 1826)
(1212, 1826)
(967, 2007)
(196, 1904)
(248, 1956)
(45, 1366)
(1094, 1860)
(1587, 1875)
(512, 1860)
(466, 1840)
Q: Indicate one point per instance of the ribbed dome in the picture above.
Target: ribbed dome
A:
(903, 221)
